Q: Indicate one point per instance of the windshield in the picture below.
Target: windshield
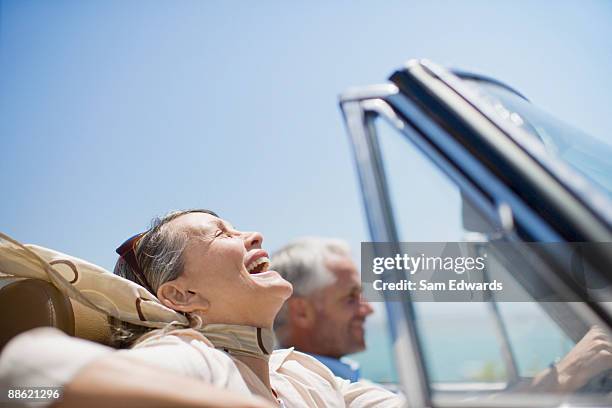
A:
(471, 348)
(586, 154)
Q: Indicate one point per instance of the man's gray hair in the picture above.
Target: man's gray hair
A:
(302, 262)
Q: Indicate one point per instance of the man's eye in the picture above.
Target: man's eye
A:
(353, 298)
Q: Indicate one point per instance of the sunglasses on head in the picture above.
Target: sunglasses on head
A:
(127, 251)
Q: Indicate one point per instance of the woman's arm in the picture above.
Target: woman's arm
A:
(119, 381)
(94, 375)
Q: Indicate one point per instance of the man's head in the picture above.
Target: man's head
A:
(326, 313)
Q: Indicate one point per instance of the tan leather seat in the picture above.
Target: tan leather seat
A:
(29, 303)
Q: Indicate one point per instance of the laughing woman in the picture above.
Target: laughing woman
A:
(199, 265)
(215, 280)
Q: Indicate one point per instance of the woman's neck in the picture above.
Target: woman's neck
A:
(261, 369)
(251, 345)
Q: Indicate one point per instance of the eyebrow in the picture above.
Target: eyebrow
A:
(222, 224)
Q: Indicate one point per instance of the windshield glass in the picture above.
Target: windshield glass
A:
(590, 156)
(477, 348)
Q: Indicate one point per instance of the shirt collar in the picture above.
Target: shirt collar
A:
(278, 358)
(343, 368)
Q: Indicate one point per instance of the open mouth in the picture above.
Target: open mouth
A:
(259, 265)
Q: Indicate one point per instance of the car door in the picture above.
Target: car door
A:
(448, 157)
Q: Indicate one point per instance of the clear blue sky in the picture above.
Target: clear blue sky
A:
(112, 112)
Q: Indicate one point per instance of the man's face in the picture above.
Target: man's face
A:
(340, 310)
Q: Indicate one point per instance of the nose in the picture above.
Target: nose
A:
(365, 309)
(253, 240)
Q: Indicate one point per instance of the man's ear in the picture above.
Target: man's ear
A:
(301, 312)
(174, 296)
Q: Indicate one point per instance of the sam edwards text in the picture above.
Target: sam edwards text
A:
(424, 285)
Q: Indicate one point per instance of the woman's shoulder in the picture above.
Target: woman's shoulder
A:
(177, 337)
(185, 351)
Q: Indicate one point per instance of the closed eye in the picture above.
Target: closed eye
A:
(226, 230)
(223, 232)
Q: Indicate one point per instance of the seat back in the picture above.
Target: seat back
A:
(29, 303)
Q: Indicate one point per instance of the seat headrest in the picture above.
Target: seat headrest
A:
(29, 303)
(94, 294)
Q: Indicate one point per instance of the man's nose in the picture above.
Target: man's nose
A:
(365, 309)
(253, 240)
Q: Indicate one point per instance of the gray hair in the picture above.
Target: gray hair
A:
(159, 254)
(303, 263)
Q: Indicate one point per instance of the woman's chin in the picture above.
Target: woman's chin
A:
(273, 283)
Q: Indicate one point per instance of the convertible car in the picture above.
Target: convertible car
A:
(446, 155)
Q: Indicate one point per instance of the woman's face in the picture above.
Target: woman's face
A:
(226, 277)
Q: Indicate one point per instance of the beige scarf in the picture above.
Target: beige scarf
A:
(121, 298)
(240, 340)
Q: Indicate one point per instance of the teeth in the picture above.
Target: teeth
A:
(256, 263)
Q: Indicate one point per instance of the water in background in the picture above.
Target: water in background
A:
(463, 346)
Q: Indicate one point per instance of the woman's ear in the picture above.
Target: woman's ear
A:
(172, 295)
